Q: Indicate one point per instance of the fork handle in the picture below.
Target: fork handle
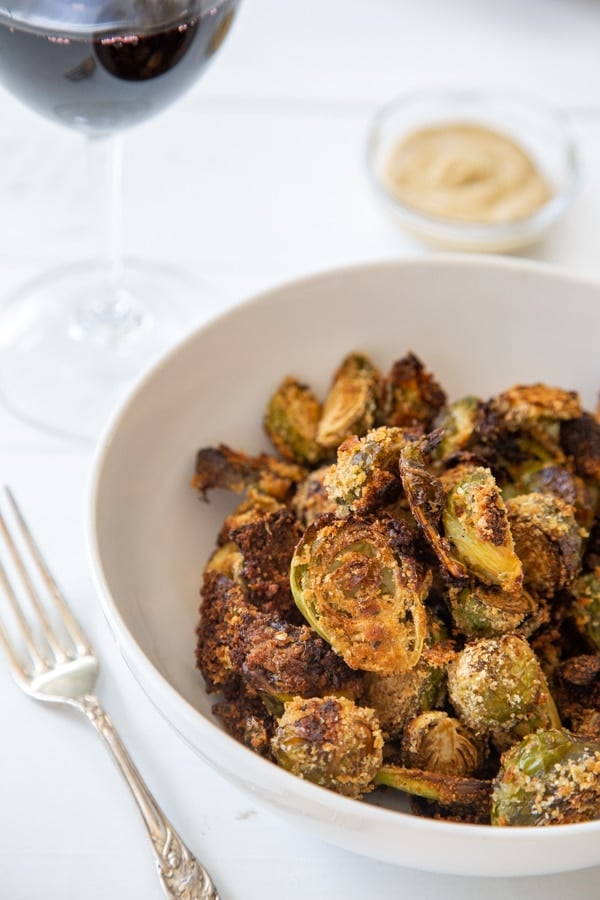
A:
(181, 875)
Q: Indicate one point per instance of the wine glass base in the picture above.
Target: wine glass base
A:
(67, 356)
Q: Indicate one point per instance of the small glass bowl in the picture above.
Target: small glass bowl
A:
(541, 131)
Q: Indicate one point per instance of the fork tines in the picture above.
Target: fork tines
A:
(35, 580)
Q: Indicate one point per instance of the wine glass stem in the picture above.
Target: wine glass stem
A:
(106, 175)
(111, 312)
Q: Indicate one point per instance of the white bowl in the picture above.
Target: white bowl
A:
(480, 325)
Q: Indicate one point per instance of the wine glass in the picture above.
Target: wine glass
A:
(72, 340)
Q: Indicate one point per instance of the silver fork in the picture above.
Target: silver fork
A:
(63, 668)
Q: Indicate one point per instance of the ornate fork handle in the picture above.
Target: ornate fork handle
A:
(181, 875)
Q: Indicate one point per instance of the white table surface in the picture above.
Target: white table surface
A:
(254, 177)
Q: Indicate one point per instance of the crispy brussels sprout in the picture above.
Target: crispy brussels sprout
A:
(479, 610)
(291, 420)
(457, 423)
(576, 688)
(351, 402)
(425, 495)
(469, 797)
(396, 699)
(330, 741)
(498, 689)
(281, 661)
(239, 642)
(266, 546)
(359, 594)
(549, 778)
(585, 607)
(580, 438)
(410, 396)
(475, 522)
(222, 467)
(548, 541)
(437, 742)
(365, 476)
(254, 508)
(550, 478)
(311, 499)
(523, 406)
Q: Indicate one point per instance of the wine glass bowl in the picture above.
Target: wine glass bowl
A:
(74, 338)
(99, 67)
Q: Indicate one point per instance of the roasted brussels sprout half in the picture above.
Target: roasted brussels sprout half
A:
(291, 420)
(476, 524)
(548, 541)
(550, 478)
(359, 594)
(410, 396)
(351, 403)
(585, 607)
(330, 741)
(498, 689)
(479, 610)
(365, 476)
(549, 778)
(527, 405)
(440, 743)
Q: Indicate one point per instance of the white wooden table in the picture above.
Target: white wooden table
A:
(254, 177)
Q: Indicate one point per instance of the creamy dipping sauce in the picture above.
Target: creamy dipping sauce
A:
(467, 173)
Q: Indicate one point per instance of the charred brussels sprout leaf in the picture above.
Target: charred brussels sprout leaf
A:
(476, 524)
(360, 595)
(330, 741)
(449, 791)
(425, 495)
(549, 778)
(410, 396)
(351, 402)
(232, 470)
(291, 420)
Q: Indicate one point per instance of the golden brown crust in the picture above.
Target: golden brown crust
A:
(267, 546)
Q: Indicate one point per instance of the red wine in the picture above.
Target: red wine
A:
(105, 81)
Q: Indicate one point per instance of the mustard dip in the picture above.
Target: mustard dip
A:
(467, 173)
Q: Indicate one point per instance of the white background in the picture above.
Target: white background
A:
(256, 176)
